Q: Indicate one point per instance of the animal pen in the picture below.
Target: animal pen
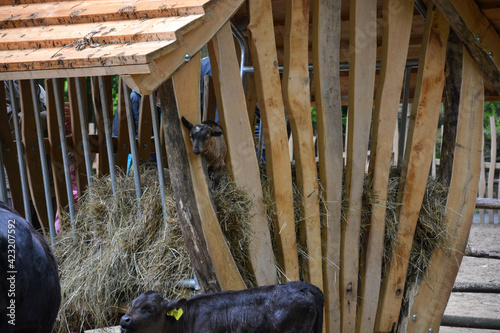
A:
(359, 53)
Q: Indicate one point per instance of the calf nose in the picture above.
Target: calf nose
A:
(125, 321)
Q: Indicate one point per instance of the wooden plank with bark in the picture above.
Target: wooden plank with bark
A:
(445, 262)
(186, 85)
(267, 81)
(397, 22)
(326, 42)
(241, 159)
(363, 47)
(416, 165)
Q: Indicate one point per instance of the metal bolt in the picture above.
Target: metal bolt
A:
(490, 54)
(145, 147)
(414, 317)
(478, 37)
(431, 330)
(32, 148)
(187, 57)
(124, 146)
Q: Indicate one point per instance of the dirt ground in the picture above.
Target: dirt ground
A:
(480, 270)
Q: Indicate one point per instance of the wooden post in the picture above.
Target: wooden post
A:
(123, 148)
(397, 21)
(416, 166)
(145, 130)
(326, 46)
(435, 290)
(241, 158)
(267, 81)
(362, 50)
(298, 108)
(186, 85)
(103, 167)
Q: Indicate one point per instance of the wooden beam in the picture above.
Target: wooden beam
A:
(267, 81)
(417, 161)
(186, 85)
(397, 23)
(477, 33)
(103, 162)
(241, 159)
(123, 149)
(363, 46)
(298, 108)
(326, 44)
(190, 44)
(145, 129)
(445, 262)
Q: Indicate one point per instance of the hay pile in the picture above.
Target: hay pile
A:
(118, 253)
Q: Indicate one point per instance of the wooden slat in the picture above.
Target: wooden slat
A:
(468, 21)
(209, 100)
(298, 108)
(190, 44)
(363, 45)
(32, 154)
(69, 57)
(9, 153)
(73, 12)
(186, 82)
(435, 291)
(267, 81)
(55, 146)
(145, 130)
(241, 159)
(326, 40)
(397, 22)
(114, 32)
(123, 148)
(103, 163)
(482, 181)
(416, 166)
(491, 171)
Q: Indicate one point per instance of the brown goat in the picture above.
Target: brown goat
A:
(208, 140)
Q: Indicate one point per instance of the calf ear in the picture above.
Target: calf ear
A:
(216, 133)
(175, 304)
(186, 123)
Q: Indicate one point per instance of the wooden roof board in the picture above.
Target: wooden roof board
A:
(42, 36)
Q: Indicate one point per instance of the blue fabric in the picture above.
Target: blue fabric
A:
(135, 99)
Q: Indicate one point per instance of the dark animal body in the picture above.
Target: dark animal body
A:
(208, 140)
(289, 307)
(30, 292)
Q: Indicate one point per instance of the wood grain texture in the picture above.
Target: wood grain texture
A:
(241, 159)
(267, 81)
(445, 262)
(397, 22)
(145, 130)
(123, 148)
(363, 45)
(326, 41)
(186, 85)
(103, 162)
(416, 165)
(297, 100)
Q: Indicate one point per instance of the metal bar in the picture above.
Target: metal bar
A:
(471, 322)
(43, 162)
(131, 135)
(64, 151)
(84, 129)
(3, 184)
(159, 158)
(484, 288)
(404, 114)
(107, 133)
(421, 8)
(20, 155)
(243, 51)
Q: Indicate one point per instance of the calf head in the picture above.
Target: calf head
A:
(150, 312)
(200, 135)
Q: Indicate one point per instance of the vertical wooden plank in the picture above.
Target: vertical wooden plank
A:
(103, 166)
(186, 84)
(80, 169)
(145, 130)
(9, 152)
(55, 146)
(32, 154)
(417, 161)
(435, 291)
(123, 148)
(267, 80)
(491, 170)
(298, 108)
(362, 50)
(326, 46)
(241, 159)
(397, 21)
(251, 102)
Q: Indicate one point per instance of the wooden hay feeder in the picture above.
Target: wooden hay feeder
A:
(155, 44)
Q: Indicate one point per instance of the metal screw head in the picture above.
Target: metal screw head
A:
(490, 54)
(145, 147)
(187, 57)
(414, 317)
(478, 37)
(32, 148)
(124, 146)
(431, 330)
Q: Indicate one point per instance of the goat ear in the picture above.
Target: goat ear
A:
(186, 123)
(216, 133)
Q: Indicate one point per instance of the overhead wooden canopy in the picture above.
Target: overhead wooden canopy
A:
(41, 39)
